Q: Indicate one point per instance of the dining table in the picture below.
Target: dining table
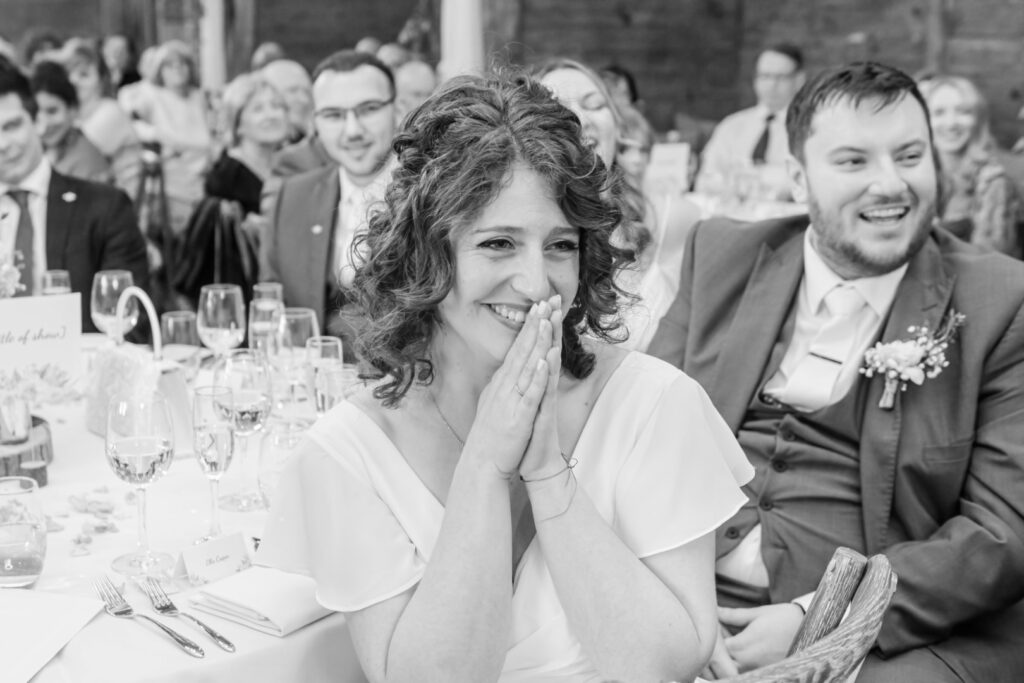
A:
(80, 550)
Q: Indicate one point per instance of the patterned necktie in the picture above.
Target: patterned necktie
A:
(814, 380)
(23, 241)
(761, 148)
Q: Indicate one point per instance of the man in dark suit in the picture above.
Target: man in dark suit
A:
(54, 221)
(316, 215)
(774, 319)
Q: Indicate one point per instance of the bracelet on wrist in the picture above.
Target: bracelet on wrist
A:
(570, 463)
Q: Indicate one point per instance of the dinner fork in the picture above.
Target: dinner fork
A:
(116, 606)
(163, 605)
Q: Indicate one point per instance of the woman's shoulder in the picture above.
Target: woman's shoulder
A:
(632, 371)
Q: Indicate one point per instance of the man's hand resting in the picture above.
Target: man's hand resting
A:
(765, 636)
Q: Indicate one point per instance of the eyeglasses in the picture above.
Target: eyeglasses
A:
(360, 111)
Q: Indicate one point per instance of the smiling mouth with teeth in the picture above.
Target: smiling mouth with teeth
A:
(885, 215)
(511, 314)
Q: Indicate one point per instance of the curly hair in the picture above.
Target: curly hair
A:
(455, 153)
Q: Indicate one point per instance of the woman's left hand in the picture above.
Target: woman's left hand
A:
(543, 455)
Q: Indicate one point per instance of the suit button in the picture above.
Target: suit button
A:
(732, 532)
(786, 434)
(766, 505)
(780, 465)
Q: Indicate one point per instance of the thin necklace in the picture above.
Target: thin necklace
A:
(444, 419)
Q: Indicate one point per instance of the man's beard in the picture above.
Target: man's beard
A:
(850, 254)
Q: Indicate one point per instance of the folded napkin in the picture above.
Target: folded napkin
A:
(35, 626)
(265, 599)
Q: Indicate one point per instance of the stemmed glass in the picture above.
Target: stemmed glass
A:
(180, 335)
(264, 323)
(140, 448)
(324, 369)
(221, 318)
(213, 442)
(107, 286)
(246, 374)
(298, 325)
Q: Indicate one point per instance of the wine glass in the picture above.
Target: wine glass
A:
(56, 282)
(298, 325)
(323, 355)
(221, 318)
(140, 448)
(246, 374)
(213, 441)
(107, 286)
(278, 447)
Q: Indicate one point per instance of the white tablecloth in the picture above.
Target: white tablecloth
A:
(110, 650)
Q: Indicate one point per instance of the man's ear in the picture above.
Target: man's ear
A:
(797, 179)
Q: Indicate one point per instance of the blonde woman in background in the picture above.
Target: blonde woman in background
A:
(174, 113)
(979, 202)
(100, 117)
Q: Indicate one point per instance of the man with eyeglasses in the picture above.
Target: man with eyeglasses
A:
(316, 215)
(752, 142)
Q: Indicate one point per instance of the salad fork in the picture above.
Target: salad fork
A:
(116, 606)
(163, 605)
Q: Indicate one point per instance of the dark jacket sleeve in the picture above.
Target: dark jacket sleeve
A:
(121, 243)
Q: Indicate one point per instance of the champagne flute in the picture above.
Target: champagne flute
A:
(221, 318)
(107, 286)
(213, 442)
(246, 374)
(264, 323)
(56, 282)
(139, 449)
(323, 354)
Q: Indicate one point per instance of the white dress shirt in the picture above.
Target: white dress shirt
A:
(38, 185)
(353, 216)
(744, 562)
(731, 148)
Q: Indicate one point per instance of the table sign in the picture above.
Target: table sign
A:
(39, 346)
(669, 170)
(214, 559)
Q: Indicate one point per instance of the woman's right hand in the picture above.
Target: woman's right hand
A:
(508, 404)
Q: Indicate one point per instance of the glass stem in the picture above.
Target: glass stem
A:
(214, 510)
(140, 502)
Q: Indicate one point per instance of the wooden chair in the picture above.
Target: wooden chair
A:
(825, 650)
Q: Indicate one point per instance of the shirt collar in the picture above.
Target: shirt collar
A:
(375, 188)
(879, 290)
(37, 182)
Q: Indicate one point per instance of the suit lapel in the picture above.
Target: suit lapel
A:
(756, 326)
(323, 203)
(921, 299)
(60, 203)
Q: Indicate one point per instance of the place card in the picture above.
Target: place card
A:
(214, 559)
(39, 346)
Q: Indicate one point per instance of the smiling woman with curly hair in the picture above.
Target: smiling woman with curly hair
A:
(477, 513)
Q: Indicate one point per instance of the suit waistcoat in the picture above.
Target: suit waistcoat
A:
(806, 492)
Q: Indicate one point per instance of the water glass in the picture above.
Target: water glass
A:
(298, 325)
(139, 449)
(220, 319)
(213, 442)
(56, 282)
(22, 532)
(107, 286)
(264, 323)
(180, 335)
(272, 291)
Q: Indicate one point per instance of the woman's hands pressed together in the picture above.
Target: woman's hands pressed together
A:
(507, 409)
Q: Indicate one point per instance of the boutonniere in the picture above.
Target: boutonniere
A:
(911, 360)
(69, 197)
(10, 275)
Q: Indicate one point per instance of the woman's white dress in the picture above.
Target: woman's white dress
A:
(656, 459)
